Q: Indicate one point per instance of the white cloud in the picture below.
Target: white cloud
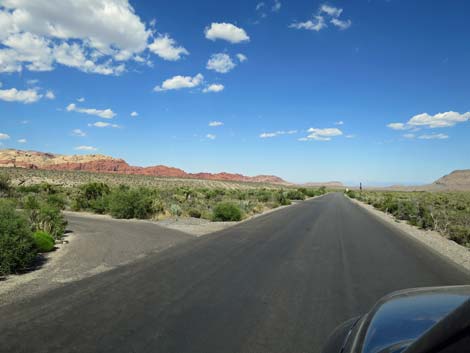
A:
(440, 120)
(216, 123)
(277, 6)
(409, 136)
(211, 136)
(178, 82)
(25, 96)
(4, 136)
(215, 87)
(317, 24)
(105, 113)
(86, 148)
(166, 48)
(241, 57)
(226, 31)
(81, 99)
(49, 95)
(259, 6)
(90, 35)
(102, 124)
(221, 63)
(78, 132)
(134, 114)
(323, 134)
(318, 21)
(341, 122)
(434, 137)
(330, 10)
(22, 141)
(341, 24)
(397, 126)
(265, 135)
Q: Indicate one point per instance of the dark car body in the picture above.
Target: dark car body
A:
(407, 319)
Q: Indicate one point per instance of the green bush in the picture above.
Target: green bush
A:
(295, 195)
(93, 197)
(281, 197)
(44, 216)
(17, 248)
(175, 210)
(131, 203)
(226, 211)
(5, 186)
(195, 213)
(44, 241)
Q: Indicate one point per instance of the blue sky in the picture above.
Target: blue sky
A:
(374, 91)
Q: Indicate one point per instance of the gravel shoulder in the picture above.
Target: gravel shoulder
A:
(449, 249)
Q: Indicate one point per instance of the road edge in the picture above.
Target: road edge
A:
(434, 241)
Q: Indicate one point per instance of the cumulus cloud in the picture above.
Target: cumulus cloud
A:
(265, 135)
(216, 123)
(241, 57)
(78, 132)
(211, 136)
(166, 48)
(425, 120)
(179, 82)
(434, 137)
(102, 124)
(341, 122)
(215, 87)
(86, 148)
(226, 31)
(134, 114)
(81, 99)
(90, 35)
(22, 141)
(322, 134)
(4, 136)
(221, 63)
(319, 19)
(23, 96)
(105, 113)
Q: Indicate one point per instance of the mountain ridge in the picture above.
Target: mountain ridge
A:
(106, 164)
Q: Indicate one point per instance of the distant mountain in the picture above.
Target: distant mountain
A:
(105, 164)
(328, 184)
(457, 180)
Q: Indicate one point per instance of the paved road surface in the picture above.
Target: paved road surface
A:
(278, 283)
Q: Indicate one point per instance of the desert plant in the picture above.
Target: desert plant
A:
(226, 211)
(195, 213)
(131, 203)
(175, 210)
(17, 248)
(44, 241)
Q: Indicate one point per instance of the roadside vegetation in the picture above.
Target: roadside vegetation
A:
(445, 212)
(32, 222)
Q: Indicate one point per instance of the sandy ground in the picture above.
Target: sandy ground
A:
(98, 243)
(454, 252)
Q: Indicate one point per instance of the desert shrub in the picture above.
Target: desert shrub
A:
(175, 210)
(295, 195)
(282, 199)
(57, 200)
(459, 234)
(226, 211)
(195, 213)
(44, 241)
(17, 248)
(50, 220)
(44, 216)
(5, 186)
(351, 193)
(92, 197)
(131, 203)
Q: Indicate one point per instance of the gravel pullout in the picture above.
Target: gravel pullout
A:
(456, 253)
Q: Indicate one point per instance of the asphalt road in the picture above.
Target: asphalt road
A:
(277, 283)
